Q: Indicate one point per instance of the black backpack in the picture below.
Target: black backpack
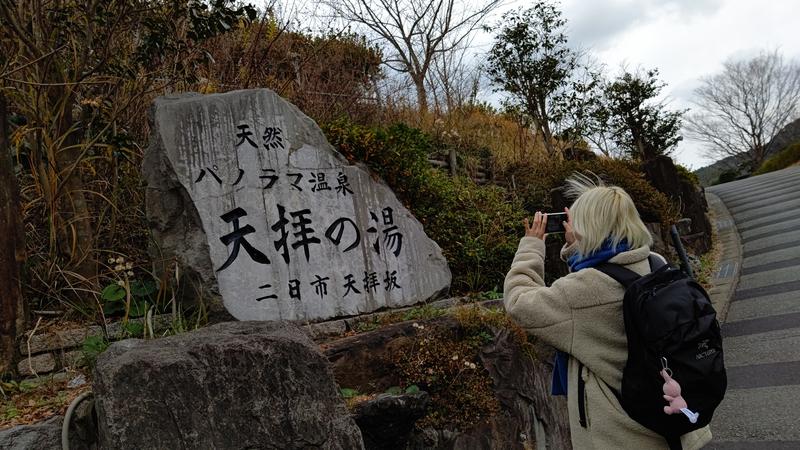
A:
(669, 321)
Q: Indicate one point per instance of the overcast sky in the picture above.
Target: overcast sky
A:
(684, 39)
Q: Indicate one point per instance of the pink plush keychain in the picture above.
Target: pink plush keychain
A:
(672, 394)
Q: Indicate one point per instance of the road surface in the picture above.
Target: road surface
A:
(762, 329)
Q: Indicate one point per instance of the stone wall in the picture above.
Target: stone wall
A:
(481, 174)
(51, 351)
(530, 417)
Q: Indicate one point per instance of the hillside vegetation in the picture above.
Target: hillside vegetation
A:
(77, 80)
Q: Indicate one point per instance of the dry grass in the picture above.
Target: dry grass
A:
(710, 261)
(476, 132)
(32, 401)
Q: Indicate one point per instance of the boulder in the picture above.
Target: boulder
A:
(529, 416)
(532, 417)
(387, 420)
(46, 435)
(663, 175)
(247, 194)
(43, 435)
(661, 239)
(233, 385)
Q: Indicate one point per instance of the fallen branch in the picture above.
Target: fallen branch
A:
(30, 336)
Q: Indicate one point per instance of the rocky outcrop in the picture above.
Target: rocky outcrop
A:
(231, 385)
(522, 384)
(529, 416)
(663, 175)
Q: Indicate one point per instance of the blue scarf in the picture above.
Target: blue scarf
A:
(577, 262)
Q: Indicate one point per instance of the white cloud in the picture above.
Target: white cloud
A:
(597, 23)
(684, 39)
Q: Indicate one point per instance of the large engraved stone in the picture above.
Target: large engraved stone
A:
(246, 192)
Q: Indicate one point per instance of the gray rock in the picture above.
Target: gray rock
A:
(659, 234)
(38, 364)
(59, 339)
(529, 417)
(322, 330)
(228, 386)
(387, 420)
(522, 385)
(663, 175)
(46, 435)
(73, 359)
(316, 237)
(40, 436)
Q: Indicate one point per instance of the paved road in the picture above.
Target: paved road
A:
(762, 330)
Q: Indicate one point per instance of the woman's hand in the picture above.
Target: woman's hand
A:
(569, 235)
(536, 229)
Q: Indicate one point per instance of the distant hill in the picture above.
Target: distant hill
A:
(709, 174)
(788, 135)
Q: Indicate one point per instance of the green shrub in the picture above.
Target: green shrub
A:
(780, 160)
(535, 181)
(477, 227)
(653, 205)
(399, 153)
(727, 176)
(92, 347)
(687, 174)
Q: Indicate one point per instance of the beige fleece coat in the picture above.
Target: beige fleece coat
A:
(581, 314)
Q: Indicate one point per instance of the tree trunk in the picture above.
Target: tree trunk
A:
(757, 156)
(544, 127)
(11, 251)
(644, 154)
(422, 93)
(75, 232)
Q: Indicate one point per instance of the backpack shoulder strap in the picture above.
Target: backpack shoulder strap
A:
(656, 262)
(623, 276)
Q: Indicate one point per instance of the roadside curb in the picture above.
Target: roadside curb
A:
(729, 266)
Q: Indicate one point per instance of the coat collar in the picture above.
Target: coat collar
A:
(631, 256)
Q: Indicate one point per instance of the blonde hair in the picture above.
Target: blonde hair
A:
(603, 212)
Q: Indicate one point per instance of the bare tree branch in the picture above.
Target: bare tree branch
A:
(744, 107)
(415, 32)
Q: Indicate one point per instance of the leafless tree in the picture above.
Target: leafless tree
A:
(415, 32)
(454, 79)
(741, 109)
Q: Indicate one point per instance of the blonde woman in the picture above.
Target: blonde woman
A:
(581, 313)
